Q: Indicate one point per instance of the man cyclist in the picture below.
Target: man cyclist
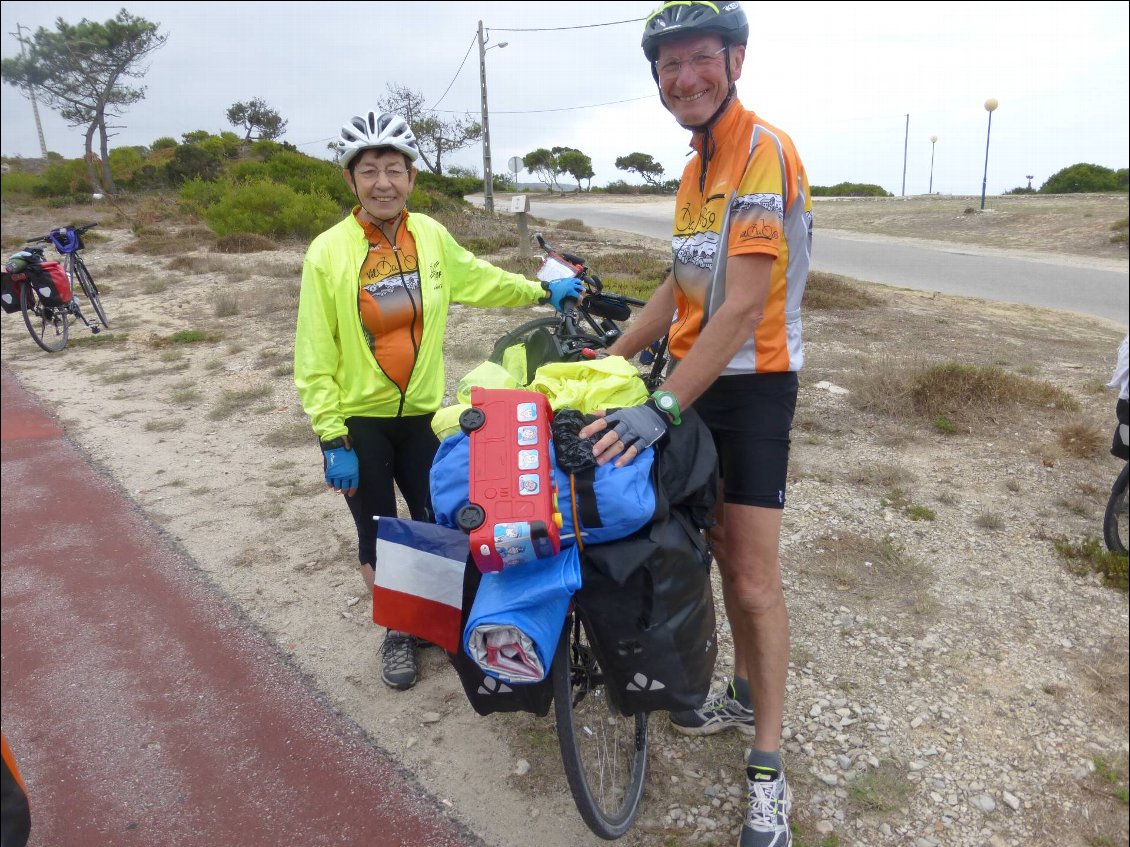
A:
(741, 242)
(368, 351)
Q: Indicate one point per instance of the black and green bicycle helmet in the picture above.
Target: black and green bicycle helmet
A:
(694, 17)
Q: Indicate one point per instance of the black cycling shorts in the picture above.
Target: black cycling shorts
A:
(750, 417)
(389, 450)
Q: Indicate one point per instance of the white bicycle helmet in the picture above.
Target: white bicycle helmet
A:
(376, 129)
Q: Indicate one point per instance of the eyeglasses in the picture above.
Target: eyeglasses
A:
(699, 62)
(391, 174)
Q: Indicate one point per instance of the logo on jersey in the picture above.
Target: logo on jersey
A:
(698, 249)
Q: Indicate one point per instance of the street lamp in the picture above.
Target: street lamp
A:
(933, 141)
(990, 107)
(488, 175)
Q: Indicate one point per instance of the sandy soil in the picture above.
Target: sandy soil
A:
(980, 668)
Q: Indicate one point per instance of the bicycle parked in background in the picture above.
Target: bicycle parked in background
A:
(68, 241)
(47, 302)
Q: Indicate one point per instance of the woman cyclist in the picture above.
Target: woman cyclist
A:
(368, 352)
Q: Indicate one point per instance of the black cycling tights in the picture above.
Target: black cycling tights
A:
(388, 450)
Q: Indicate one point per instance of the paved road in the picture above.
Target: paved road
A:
(141, 708)
(957, 270)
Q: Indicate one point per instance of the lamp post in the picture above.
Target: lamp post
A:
(488, 175)
(933, 141)
(990, 107)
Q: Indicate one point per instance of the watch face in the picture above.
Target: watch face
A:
(665, 402)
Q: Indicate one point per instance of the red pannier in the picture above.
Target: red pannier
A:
(49, 281)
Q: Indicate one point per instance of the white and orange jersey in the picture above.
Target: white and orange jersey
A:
(754, 198)
(390, 303)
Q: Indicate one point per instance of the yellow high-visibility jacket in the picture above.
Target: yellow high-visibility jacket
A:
(335, 372)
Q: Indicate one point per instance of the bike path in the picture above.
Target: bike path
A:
(141, 707)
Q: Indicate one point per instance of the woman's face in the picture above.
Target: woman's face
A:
(382, 181)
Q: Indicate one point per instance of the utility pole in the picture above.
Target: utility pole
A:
(488, 176)
(905, 142)
(19, 33)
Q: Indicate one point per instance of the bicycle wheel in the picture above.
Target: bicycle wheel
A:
(1115, 519)
(604, 753)
(48, 327)
(90, 290)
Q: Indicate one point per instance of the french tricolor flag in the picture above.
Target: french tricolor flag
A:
(418, 586)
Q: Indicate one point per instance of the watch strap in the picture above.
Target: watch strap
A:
(667, 403)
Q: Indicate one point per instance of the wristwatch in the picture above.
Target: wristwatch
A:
(333, 443)
(668, 403)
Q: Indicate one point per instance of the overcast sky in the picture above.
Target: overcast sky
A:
(840, 78)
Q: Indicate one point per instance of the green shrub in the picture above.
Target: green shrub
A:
(850, 189)
(66, 178)
(192, 161)
(307, 175)
(198, 194)
(22, 184)
(125, 162)
(270, 209)
(1085, 177)
(163, 143)
(451, 186)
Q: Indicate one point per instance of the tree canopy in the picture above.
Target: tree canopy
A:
(576, 164)
(257, 119)
(79, 71)
(543, 164)
(435, 136)
(642, 164)
(1084, 178)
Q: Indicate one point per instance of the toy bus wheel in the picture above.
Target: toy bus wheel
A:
(470, 517)
(472, 419)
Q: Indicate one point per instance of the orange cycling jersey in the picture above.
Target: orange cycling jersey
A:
(754, 196)
(389, 301)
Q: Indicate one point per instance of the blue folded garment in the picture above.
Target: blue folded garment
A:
(518, 615)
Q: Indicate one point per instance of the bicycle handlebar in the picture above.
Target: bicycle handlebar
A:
(69, 233)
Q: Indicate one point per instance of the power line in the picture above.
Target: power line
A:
(461, 64)
(562, 109)
(560, 28)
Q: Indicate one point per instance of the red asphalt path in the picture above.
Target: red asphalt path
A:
(141, 707)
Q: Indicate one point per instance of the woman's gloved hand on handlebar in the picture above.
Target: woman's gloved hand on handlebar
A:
(559, 290)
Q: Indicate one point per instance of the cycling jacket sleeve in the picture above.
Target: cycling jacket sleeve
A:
(475, 282)
(316, 352)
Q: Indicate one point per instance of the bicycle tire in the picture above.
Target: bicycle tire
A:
(86, 282)
(53, 326)
(1115, 518)
(604, 753)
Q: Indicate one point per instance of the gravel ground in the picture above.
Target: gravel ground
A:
(953, 681)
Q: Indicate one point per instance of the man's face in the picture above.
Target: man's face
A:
(382, 180)
(692, 76)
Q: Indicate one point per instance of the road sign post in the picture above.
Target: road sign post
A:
(520, 205)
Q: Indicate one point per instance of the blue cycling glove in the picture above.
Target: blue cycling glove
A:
(342, 472)
(637, 426)
(568, 288)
